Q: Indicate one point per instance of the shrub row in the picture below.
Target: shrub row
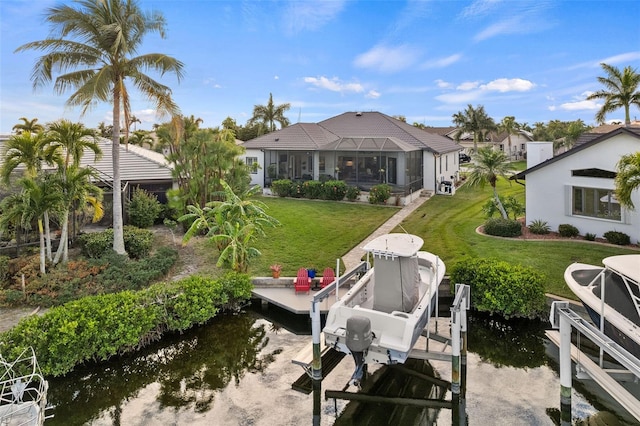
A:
(137, 242)
(313, 189)
(97, 327)
(79, 278)
(498, 287)
(569, 231)
(503, 227)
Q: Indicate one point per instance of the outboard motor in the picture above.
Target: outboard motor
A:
(359, 338)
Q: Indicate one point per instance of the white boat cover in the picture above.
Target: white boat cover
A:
(627, 265)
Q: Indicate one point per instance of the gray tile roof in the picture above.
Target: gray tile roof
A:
(352, 125)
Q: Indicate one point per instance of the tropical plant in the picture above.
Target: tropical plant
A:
(510, 127)
(489, 164)
(141, 138)
(475, 122)
(27, 125)
(539, 227)
(627, 178)
(269, 114)
(144, 208)
(94, 53)
(621, 91)
(31, 150)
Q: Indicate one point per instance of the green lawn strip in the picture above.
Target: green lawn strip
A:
(314, 233)
(448, 226)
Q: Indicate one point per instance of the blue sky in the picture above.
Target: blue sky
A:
(425, 60)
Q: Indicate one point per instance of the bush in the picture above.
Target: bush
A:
(282, 187)
(503, 227)
(615, 237)
(144, 209)
(97, 327)
(589, 236)
(502, 288)
(313, 189)
(137, 242)
(334, 190)
(539, 227)
(379, 194)
(567, 230)
(353, 192)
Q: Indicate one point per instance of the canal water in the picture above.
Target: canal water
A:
(237, 370)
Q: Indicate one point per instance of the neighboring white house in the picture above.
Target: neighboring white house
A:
(360, 148)
(577, 186)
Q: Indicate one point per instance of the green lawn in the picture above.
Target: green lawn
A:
(315, 233)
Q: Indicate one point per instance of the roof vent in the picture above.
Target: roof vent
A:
(358, 114)
(277, 139)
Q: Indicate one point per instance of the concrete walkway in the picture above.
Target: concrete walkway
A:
(353, 257)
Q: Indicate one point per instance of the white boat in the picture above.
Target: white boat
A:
(618, 285)
(382, 316)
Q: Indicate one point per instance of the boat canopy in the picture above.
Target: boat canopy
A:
(395, 245)
(627, 265)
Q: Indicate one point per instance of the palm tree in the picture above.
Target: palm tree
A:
(627, 178)
(509, 125)
(95, 55)
(30, 150)
(73, 139)
(28, 126)
(488, 165)
(140, 138)
(621, 91)
(270, 114)
(475, 122)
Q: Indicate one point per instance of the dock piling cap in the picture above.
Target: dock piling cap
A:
(402, 245)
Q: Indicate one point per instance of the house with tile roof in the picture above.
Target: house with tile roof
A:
(361, 148)
(577, 186)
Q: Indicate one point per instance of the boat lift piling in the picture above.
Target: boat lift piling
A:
(461, 305)
(564, 319)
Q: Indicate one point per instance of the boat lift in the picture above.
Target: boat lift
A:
(564, 319)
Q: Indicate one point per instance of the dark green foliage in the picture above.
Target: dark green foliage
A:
(589, 236)
(353, 192)
(511, 205)
(11, 297)
(503, 227)
(539, 227)
(98, 327)
(313, 189)
(567, 230)
(282, 187)
(379, 194)
(498, 287)
(144, 209)
(137, 242)
(334, 190)
(615, 237)
(4, 268)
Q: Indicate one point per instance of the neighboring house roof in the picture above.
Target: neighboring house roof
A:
(589, 139)
(442, 131)
(373, 129)
(136, 163)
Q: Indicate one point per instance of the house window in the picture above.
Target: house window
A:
(252, 162)
(594, 202)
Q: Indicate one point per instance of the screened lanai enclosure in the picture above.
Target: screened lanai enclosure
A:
(361, 162)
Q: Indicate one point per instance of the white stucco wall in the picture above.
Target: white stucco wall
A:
(257, 178)
(548, 195)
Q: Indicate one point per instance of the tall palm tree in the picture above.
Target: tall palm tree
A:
(475, 122)
(621, 91)
(31, 150)
(509, 125)
(488, 165)
(270, 114)
(28, 126)
(94, 52)
(73, 139)
(627, 178)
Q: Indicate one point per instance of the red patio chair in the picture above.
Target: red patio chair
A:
(302, 282)
(328, 277)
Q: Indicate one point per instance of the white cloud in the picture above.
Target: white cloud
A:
(510, 26)
(479, 8)
(441, 62)
(372, 94)
(310, 15)
(468, 85)
(334, 84)
(503, 85)
(623, 58)
(469, 91)
(275, 77)
(443, 84)
(146, 115)
(387, 59)
(580, 106)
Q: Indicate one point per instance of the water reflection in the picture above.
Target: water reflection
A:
(189, 369)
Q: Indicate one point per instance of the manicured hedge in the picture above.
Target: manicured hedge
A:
(498, 287)
(503, 227)
(137, 242)
(95, 328)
